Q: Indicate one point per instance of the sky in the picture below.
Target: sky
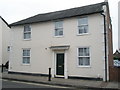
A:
(15, 10)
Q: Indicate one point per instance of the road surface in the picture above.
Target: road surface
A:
(20, 84)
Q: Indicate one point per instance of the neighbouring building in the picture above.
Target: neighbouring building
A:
(74, 43)
(116, 57)
(119, 25)
(115, 73)
(4, 41)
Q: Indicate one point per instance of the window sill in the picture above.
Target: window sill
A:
(58, 36)
(84, 66)
(25, 64)
(83, 34)
(26, 39)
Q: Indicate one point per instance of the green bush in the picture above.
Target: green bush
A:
(116, 58)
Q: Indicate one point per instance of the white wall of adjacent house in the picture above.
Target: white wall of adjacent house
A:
(119, 26)
(43, 37)
(0, 41)
(4, 41)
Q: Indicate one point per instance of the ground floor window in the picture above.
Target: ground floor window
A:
(26, 56)
(83, 56)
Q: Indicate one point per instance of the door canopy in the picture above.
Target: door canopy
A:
(65, 47)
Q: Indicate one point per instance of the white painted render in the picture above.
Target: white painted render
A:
(0, 41)
(4, 42)
(42, 57)
(119, 25)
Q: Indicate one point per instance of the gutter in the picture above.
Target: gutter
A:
(105, 43)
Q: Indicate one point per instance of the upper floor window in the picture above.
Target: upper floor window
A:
(83, 25)
(27, 32)
(83, 56)
(26, 56)
(59, 28)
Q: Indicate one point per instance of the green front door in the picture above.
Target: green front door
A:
(60, 64)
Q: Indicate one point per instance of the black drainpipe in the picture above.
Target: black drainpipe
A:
(105, 39)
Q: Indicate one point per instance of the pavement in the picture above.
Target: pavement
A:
(76, 83)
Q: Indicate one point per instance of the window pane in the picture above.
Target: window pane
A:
(26, 60)
(27, 28)
(82, 21)
(80, 51)
(85, 29)
(80, 61)
(58, 24)
(26, 56)
(83, 25)
(59, 28)
(56, 32)
(26, 52)
(81, 29)
(86, 61)
(27, 35)
(59, 32)
(83, 51)
(84, 56)
(86, 51)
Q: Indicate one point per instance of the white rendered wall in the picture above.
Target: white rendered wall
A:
(4, 41)
(43, 38)
(0, 41)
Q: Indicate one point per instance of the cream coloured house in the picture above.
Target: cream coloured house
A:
(4, 41)
(74, 43)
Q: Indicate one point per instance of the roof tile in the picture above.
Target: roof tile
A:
(79, 11)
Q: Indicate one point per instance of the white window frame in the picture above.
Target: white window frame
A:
(58, 28)
(26, 56)
(24, 32)
(82, 25)
(83, 56)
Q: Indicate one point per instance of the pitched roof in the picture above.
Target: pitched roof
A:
(116, 54)
(5, 22)
(79, 11)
